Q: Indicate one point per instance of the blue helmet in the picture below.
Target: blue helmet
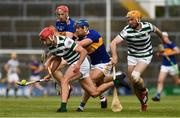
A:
(82, 23)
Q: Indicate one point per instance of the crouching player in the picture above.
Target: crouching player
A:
(75, 55)
(100, 61)
(169, 65)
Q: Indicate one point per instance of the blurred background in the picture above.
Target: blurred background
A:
(22, 20)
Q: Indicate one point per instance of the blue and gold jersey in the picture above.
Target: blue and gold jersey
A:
(63, 27)
(172, 57)
(96, 50)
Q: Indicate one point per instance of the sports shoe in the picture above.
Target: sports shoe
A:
(104, 103)
(156, 99)
(61, 110)
(118, 80)
(79, 110)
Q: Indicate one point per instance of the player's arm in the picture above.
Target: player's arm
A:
(175, 51)
(85, 42)
(69, 43)
(159, 33)
(69, 34)
(113, 46)
(83, 54)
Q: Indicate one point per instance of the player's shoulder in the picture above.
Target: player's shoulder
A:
(72, 21)
(145, 23)
(171, 44)
(93, 33)
(126, 27)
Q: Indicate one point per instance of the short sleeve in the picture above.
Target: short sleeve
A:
(93, 35)
(153, 28)
(69, 43)
(123, 34)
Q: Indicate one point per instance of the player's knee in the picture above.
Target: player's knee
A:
(160, 81)
(64, 81)
(135, 75)
(94, 94)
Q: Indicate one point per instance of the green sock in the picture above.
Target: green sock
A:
(63, 106)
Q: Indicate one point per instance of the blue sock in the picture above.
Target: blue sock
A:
(158, 95)
(82, 104)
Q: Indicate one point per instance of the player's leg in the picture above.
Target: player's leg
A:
(9, 84)
(162, 75)
(15, 88)
(85, 98)
(97, 77)
(58, 74)
(94, 91)
(68, 76)
(91, 88)
(136, 67)
(15, 79)
(175, 74)
(138, 84)
(8, 88)
(176, 79)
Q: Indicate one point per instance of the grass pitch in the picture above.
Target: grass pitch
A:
(46, 107)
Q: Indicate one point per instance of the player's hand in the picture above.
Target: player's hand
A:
(76, 68)
(114, 61)
(47, 78)
(163, 54)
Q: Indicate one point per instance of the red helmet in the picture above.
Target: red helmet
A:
(63, 8)
(45, 33)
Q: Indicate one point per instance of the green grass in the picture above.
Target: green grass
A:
(46, 107)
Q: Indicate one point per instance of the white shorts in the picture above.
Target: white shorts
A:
(12, 77)
(34, 77)
(170, 69)
(134, 60)
(103, 67)
(85, 68)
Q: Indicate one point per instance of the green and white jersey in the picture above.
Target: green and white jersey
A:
(139, 43)
(65, 48)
